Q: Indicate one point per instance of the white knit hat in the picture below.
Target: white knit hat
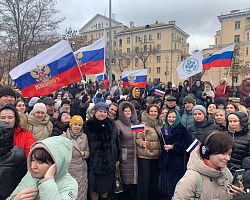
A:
(39, 107)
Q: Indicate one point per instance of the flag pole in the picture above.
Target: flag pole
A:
(110, 46)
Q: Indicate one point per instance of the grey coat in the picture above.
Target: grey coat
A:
(127, 139)
(78, 165)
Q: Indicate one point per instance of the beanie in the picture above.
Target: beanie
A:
(101, 106)
(76, 118)
(220, 100)
(39, 107)
(33, 101)
(65, 101)
(13, 108)
(201, 108)
(247, 100)
(189, 99)
(7, 91)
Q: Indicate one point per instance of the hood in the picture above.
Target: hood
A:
(246, 78)
(133, 92)
(151, 122)
(243, 121)
(123, 118)
(6, 138)
(195, 163)
(60, 149)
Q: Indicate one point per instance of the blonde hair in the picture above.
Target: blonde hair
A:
(23, 121)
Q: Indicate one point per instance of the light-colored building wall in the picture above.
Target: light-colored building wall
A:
(235, 28)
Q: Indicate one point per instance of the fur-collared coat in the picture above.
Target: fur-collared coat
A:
(151, 135)
(127, 139)
(78, 165)
(103, 145)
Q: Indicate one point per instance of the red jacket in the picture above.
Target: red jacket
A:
(23, 139)
(222, 90)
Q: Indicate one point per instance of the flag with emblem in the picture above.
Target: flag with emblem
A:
(48, 71)
(135, 78)
(91, 58)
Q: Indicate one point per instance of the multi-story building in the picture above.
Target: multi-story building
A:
(235, 28)
(159, 47)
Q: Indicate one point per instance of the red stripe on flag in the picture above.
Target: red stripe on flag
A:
(44, 88)
(93, 67)
(217, 63)
(136, 84)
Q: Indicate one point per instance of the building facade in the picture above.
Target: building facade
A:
(235, 28)
(158, 47)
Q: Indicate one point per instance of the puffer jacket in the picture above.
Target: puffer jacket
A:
(199, 128)
(127, 140)
(242, 143)
(214, 182)
(12, 161)
(187, 119)
(63, 185)
(151, 135)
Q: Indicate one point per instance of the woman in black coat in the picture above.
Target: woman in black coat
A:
(62, 124)
(103, 151)
(174, 142)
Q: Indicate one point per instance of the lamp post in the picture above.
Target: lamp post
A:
(110, 46)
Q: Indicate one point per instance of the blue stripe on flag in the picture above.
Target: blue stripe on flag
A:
(138, 79)
(223, 56)
(94, 55)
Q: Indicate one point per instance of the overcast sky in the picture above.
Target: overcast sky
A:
(198, 18)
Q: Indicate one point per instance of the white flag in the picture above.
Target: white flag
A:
(191, 66)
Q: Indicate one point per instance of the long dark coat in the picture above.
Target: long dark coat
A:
(103, 145)
(173, 162)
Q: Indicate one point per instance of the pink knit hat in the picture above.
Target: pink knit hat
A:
(39, 107)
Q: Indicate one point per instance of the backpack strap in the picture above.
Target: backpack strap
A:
(197, 194)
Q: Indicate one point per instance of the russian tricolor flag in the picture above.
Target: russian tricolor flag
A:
(159, 93)
(135, 78)
(196, 143)
(103, 77)
(137, 128)
(48, 71)
(91, 58)
(221, 58)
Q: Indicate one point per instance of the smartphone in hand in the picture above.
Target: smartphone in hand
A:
(238, 176)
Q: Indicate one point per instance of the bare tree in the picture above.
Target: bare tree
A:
(143, 54)
(123, 59)
(27, 21)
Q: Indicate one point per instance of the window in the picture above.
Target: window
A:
(128, 50)
(158, 47)
(120, 42)
(175, 46)
(136, 61)
(158, 59)
(247, 36)
(107, 34)
(149, 70)
(137, 39)
(128, 40)
(237, 38)
(158, 36)
(247, 51)
(150, 47)
(237, 25)
(145, 38)
(120, 62)
(136, 49)
(145, 48)
(216, 41)
(158, 70)
(128, 61)
(150, 37)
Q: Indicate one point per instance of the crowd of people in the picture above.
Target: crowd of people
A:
(70, 144)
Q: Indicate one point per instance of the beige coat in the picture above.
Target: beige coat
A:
(214, 182)
(78, 165)
(151, 135)
(40, 130)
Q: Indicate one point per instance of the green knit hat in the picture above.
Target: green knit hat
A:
(189, 99)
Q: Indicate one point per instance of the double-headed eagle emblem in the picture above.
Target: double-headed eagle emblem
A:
(41, 73)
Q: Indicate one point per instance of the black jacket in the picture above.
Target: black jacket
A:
(13, 165)
(200, 128)
(103, 145)
(59, 128)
